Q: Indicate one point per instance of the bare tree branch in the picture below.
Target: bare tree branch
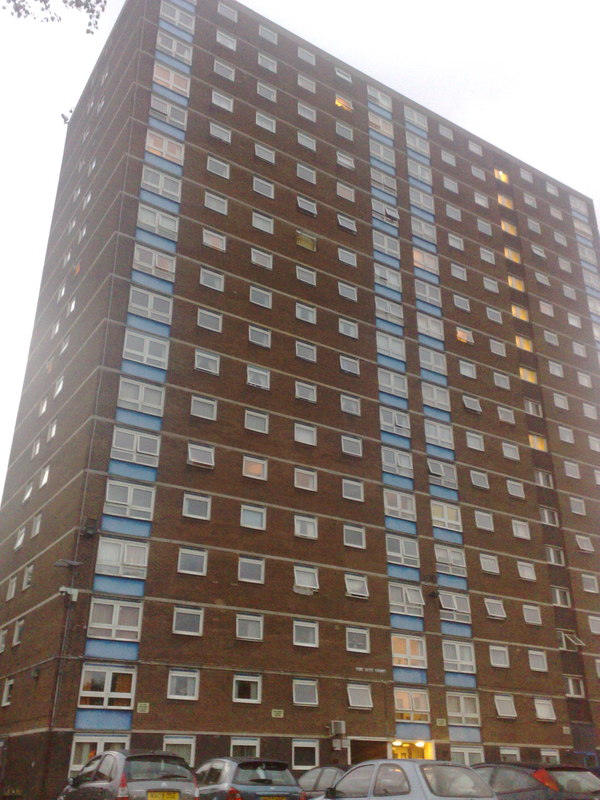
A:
(47, 11)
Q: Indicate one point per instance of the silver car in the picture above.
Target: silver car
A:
(419, 778)
(153, 775)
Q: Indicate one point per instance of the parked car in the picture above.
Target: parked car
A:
(518, 781)
(152, 775)
(247, 779)
(316, 780)
(422, 779)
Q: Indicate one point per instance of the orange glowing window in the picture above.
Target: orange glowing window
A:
(505, 201)
(343, 102)
(516, 283)
(501, 176)
(508, 227)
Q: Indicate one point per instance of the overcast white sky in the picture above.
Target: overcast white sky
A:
(521, 74)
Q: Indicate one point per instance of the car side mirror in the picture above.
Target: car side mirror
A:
(331, 793)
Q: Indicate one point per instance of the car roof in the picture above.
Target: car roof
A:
(398, 761)
(250, 760)
(532, 765)
(137, 753)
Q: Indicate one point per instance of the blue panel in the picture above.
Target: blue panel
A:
(429, 308)
(460, 679)
(442, 535)
(425, 275)
(588, 265)
(424, 244)
(405, 573)
(163, 163)
(416, 156)
(127, 470)
(443, 493)
(148, 325)
(151, 282)
(379, 110)
(165, 127)
(180, 66)
(583, 240)
(386, 227)
(400, 481)
(456, 629)
(413, 730)
(143, 371)
(452, 581)
(102, 719)
(391, 400)
(401, 525)
(385, 196)
(425, 187)
(381, 137)
(434, 377)
(393, 438)
(406, 623)
(437, 413)
(379, 164)
(463, 733)
(419, 212)
(147, 421)
(430, 341)
(393, 363)
(189, 7)
(408, 675)
(103, 648)
(579, 215)
(595, 318)
(114, 584)
(390, 327)
(441, 452)
(160, 202)
(419, 131)
(132, 527)
(385, 292)
(592, 292)
(389, 261)
(146, 237)
(187, 37)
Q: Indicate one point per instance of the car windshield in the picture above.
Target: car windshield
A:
(146, 768)
(576, 780)
(447, 780)
(266, 772)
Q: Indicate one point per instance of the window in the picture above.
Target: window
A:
(188, 621)
(251, 570)
(458, 656)
(305, 479)
(505, 706)
(358, 640)
(532, 615)
(253, 517)
(196, 506)
(178, 83)
(183, 684)
(574, 686)
(306, 111)
(356, 585)
(305, 634)
(450, 560)
(306, 351)
(454, 607)
(349, 365)
(249, 626)
(359, 695)
(560, 596)
(305, 692)
(19, 538)
(537, 660)
(305, 753)
(260, 297)
(555, 555)
(589, 583)
(18, 632)
(129, 500)
(489, 563)
(262, 222)
(266, 91)
(266, 121)
(406, 599)
(354, 536)
(106, 686)
(207, 362)
(247, 689)
(306, 527)
(264, 187)
(191, 562)
(410, 705)
(7, 691)
(474, 441)
(253, 467)
(463, 709)
(258, 377)
(402, 550)
(210, 320)
(409, 651)
(544, 709)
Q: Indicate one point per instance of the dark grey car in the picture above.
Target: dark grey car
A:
(153, 775)
(519, 781)
(314, 781)
(247, 779)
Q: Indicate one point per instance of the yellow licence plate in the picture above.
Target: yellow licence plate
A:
(273, 797)
(163, 795)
